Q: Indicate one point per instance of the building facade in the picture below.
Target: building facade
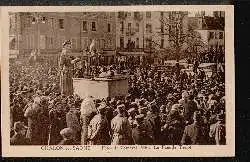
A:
(125, 33)
(144, 32)
(47, 31)
(211, 29)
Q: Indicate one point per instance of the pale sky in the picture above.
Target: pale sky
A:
(207, 13)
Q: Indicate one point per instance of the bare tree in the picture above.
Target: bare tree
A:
(179, 36)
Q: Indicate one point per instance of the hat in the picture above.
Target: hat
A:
(19, 126)
(131, 110)
(67, 133)
(184, 94)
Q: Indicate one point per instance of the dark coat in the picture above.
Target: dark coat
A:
(153, 126)
(194, 134)
(140, 136)
(18, 139)
(189, 110)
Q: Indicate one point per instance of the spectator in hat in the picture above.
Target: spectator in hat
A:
(190, 109)
(153, 124)
(173, 127)
(195, 133)
(67, 135)
(139, 132)
(218, 130)
(19, 137)
(98, 133)
(131, 116)
(120, 128)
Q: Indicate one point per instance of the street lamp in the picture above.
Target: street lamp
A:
(36, 20)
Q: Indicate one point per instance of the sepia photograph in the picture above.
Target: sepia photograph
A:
(117, 78)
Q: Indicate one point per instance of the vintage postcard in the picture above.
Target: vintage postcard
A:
(118, 81)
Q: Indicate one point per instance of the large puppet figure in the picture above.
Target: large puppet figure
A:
(66, 68)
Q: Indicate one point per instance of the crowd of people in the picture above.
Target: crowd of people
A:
(162, 107)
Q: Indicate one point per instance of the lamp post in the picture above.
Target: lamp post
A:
(36, 20)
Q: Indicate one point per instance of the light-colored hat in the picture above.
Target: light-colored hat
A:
(131, 110)
(67, 132)
(184, 94)
(175, 107)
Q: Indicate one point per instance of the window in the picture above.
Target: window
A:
(93, 26)
(84, 26)
(137, 27)
(148, 43)
(129, 14)
(162, 43)
(61, 23)
(148, 14)
(162, 14)
(211, 35)
(121, 42)
(129, 26)
(137, 43)
(12, 44)
(221, 35)
(136, 14)
(148, 28)
(109, 28)
(122, 26)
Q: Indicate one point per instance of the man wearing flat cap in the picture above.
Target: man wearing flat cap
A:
(120, 128)
(218, 130)
(153, 124)
(139, 132)
(98, 133)
(66, 67)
